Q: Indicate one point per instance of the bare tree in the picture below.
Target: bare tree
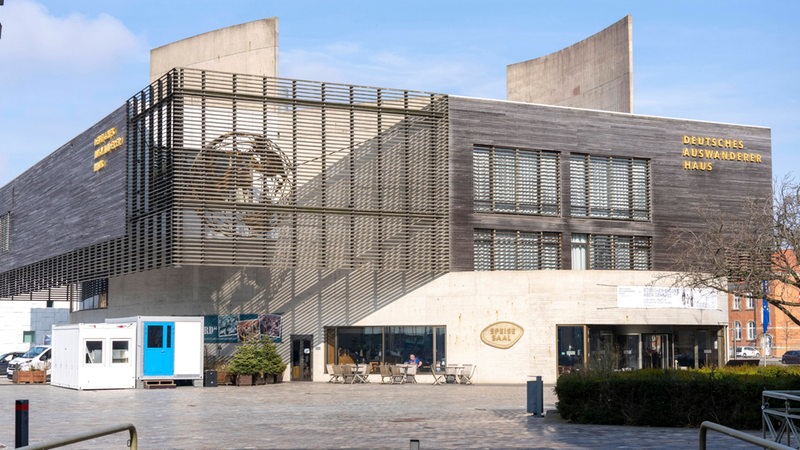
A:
(736, 255)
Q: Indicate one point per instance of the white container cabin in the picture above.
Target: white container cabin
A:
(94, 356)
(167, 348)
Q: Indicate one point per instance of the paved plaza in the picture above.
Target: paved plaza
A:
(322, 415)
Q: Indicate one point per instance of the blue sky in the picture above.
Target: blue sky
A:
(64, 65)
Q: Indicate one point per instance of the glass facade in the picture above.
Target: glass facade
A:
(570, 348)
(386, 345)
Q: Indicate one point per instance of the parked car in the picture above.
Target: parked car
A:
(6, 358)
(791, 357)
(38, 357)
(747, 352)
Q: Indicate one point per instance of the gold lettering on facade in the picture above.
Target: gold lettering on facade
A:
(501, 335)
(693, 149)
(105, 143)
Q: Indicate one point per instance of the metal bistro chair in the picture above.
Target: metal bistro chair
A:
(450, 374)
(337, 372)
(361, 374)
(466, 374)
(386, 372)
(411, 373)
(438, 378)
(334, 376)
(348, 373)
(398, 374)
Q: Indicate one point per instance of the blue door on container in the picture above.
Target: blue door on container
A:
(159, 351)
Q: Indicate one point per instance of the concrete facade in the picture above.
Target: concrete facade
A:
(250, 48)
(595, 73)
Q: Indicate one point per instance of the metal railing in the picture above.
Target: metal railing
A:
(55, 443)
(742, 436)
(780, 415)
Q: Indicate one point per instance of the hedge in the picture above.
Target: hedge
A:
(672, 398)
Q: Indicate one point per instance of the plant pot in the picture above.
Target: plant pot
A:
(224, 378)
(244, 380)
(259, 380)
(30, 376)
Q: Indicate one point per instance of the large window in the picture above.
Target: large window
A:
(570, 348)
(516, 250)
(608, 252)
(737, 331)
(93, 295)
(5, 232)
(515, 180)
(609, 187)
(385, 345)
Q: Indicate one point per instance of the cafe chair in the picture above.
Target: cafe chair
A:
(361, 373)
(466, 374)
(386, 372)
(338, 373)
(398, 374)
(438, 378)
(450, 374)
(348, 373)
(334, 376)
(411, 374)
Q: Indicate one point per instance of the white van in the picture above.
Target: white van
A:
(38, 357)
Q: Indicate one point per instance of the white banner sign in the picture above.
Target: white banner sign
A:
(665, 297)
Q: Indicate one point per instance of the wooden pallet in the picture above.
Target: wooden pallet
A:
(159, 384)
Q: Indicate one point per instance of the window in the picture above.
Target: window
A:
(570, 348)
(94, 352)
(389, 345)
(28, 337)
(737, 330)
(5, 232)
(609, 187)
(516, 250)
(751, 330)
(119, 352)
(737, 302)
(93, 295)
(751, 302)
(580, 252)
(608, 252)
(515, 180)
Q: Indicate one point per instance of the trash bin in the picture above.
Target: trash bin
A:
(535, 397)
(210, 378)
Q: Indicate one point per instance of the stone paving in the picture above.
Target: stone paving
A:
(322, 415)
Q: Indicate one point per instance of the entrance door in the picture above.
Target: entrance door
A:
(301, 357)
(657, 351)
(628, 345)
(159, 352)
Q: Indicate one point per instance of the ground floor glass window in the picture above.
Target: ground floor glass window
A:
(385, 345)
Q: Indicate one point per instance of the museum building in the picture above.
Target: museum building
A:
(528, 236)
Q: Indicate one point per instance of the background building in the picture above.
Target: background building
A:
(365, 224)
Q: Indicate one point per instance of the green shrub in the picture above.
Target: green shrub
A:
(671, 398)
(256, 356)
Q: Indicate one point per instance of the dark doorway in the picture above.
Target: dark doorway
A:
(301, 357)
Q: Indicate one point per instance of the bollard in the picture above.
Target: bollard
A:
(21, 435)
(535, 394)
